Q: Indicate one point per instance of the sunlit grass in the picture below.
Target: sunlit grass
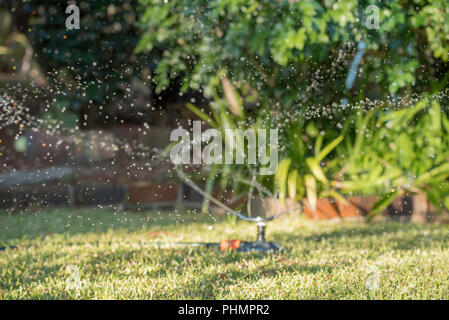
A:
(99, 254)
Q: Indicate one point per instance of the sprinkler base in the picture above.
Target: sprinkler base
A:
(260, 246)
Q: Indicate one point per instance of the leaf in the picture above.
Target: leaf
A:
(291, 182)
(354, 186)
(281, 177)
(300, 189)
(446, 202)
(164, 153)
(434, 197)
(435, 116)
(333, 194)
(208, 189)
(201, 115)
(311, 130)
(327, 149)
(318, 143)
(233, 98)
(300, 38)
(441, 171)
(384, 201)
(361, 129)
(310, 183)
(316, 170)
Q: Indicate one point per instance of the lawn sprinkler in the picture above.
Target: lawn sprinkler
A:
(260, 245)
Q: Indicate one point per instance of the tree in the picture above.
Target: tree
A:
(92, 68)
(289, 54)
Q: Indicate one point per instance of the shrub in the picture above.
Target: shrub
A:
(281, 54)
(384, 152)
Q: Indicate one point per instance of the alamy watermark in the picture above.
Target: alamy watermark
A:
(73, 20)
(73, 280)
(260, 149)
(372, 280)
(371, 22)
(373, 17)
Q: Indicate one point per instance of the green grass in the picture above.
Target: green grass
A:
(99, 254)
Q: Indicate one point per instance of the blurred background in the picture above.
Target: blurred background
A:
(77, 108)
(86, 114)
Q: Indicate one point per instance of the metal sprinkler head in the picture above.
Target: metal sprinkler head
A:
(260, 245)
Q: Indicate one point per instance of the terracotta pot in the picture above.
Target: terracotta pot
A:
(325, 209)
(414, 208)
(421, 209)
(332, 209)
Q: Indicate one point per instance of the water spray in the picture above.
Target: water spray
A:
(260, 245)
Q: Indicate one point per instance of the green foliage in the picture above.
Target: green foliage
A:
(10, 43)
(306, 169)
(433, 17)
(384, 152)
(91, 68)
(405, 149)
(287, 53)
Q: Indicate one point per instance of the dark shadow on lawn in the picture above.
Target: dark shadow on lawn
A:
(396, 232)
(208, 285)
(191, 263)
(356, 231)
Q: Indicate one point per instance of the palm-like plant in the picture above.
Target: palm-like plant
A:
(387, 153)
(305, 171)
(399, 152)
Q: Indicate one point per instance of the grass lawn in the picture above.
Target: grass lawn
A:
(99, 254)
